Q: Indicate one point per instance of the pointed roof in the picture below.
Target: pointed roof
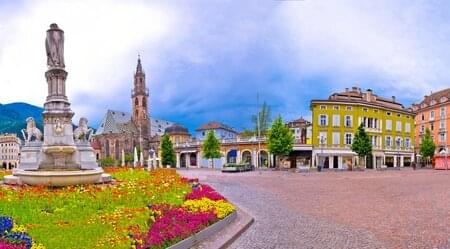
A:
(139, 66)
(116, 122)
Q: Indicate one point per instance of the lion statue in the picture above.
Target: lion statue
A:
(82, 133)
(31, 132)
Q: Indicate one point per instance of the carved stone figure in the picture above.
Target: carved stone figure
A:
(54, 45)
(58, 128)
(32, 132)
(83, 132)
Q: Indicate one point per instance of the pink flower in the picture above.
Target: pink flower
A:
(172, 225)
(204, 191)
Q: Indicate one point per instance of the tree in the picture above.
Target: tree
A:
(280, 139)
(247, 134)
(427, 147)
(167, 152)
(361, 143)
(264, 119)
(107, 161)
(129, 158)
(211, 147)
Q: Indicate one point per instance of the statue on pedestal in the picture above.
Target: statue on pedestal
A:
(54, 45)
(31, 132)
(83, 132)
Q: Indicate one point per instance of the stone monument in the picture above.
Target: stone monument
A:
(64, 156)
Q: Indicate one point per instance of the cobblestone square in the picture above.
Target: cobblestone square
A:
(370, 209)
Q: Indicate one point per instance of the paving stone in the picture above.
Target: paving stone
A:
(370, 209)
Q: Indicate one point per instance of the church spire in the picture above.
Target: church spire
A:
(139, 66)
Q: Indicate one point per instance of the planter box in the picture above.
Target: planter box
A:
(205, 233)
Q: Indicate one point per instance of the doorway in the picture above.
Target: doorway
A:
(369, 162)
(335, 162)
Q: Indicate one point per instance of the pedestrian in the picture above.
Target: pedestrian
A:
(414, 165)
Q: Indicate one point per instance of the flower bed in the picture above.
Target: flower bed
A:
(141, 210)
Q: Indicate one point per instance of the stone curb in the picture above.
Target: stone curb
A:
(205, 233)
(248, 221)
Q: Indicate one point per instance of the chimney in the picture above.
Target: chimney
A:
(354, 88)
(393, 98)
(369, 95)
(346, 89)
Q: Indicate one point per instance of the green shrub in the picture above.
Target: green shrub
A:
(107, 161)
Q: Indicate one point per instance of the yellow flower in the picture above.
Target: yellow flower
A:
(19, 229)
(221, 208)
(37, 246)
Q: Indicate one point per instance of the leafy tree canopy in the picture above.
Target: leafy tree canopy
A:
(427, 147)
(361, 143)
(167, 152)
(280, 138)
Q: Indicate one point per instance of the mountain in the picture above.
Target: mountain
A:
(13, 116)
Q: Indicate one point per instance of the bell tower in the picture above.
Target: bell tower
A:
(139, 99)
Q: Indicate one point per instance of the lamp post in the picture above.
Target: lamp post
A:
(398, 152)
(322, 141)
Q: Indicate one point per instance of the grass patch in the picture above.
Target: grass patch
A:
(92, 216)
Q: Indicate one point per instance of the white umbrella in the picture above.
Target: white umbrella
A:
(123, 158)
(135, 157)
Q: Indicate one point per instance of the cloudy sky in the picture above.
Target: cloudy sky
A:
(207, 60)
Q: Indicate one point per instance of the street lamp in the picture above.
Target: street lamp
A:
(322, 140)
(398, 152)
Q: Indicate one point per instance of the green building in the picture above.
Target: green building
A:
(336, 119)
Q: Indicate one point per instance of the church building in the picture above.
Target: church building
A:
(120, 130)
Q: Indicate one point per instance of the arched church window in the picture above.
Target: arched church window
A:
(136, 102)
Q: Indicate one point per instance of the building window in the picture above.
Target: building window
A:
(398, 115)
(432, 126)
(432, 115)
(408, 127)
(323, 120)
(398, 142)
(388, 141)
(336, 138)
(348, 121)
(323, 107)
(407, 143)
(422, 128)
(389, 125)
(443, 112)
(398, 126)
(336, 107)
(442, 124)
(375, 110)
(442, 137)
(365, 109)
(322, 138)
(423, 117)
(348, 138)
(349, 108)
(388, 113)
(336, 120)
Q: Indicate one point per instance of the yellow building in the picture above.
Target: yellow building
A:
(336, 120)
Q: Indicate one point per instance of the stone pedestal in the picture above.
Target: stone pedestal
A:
(85, 156)
(31, 155)
(57, 160)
